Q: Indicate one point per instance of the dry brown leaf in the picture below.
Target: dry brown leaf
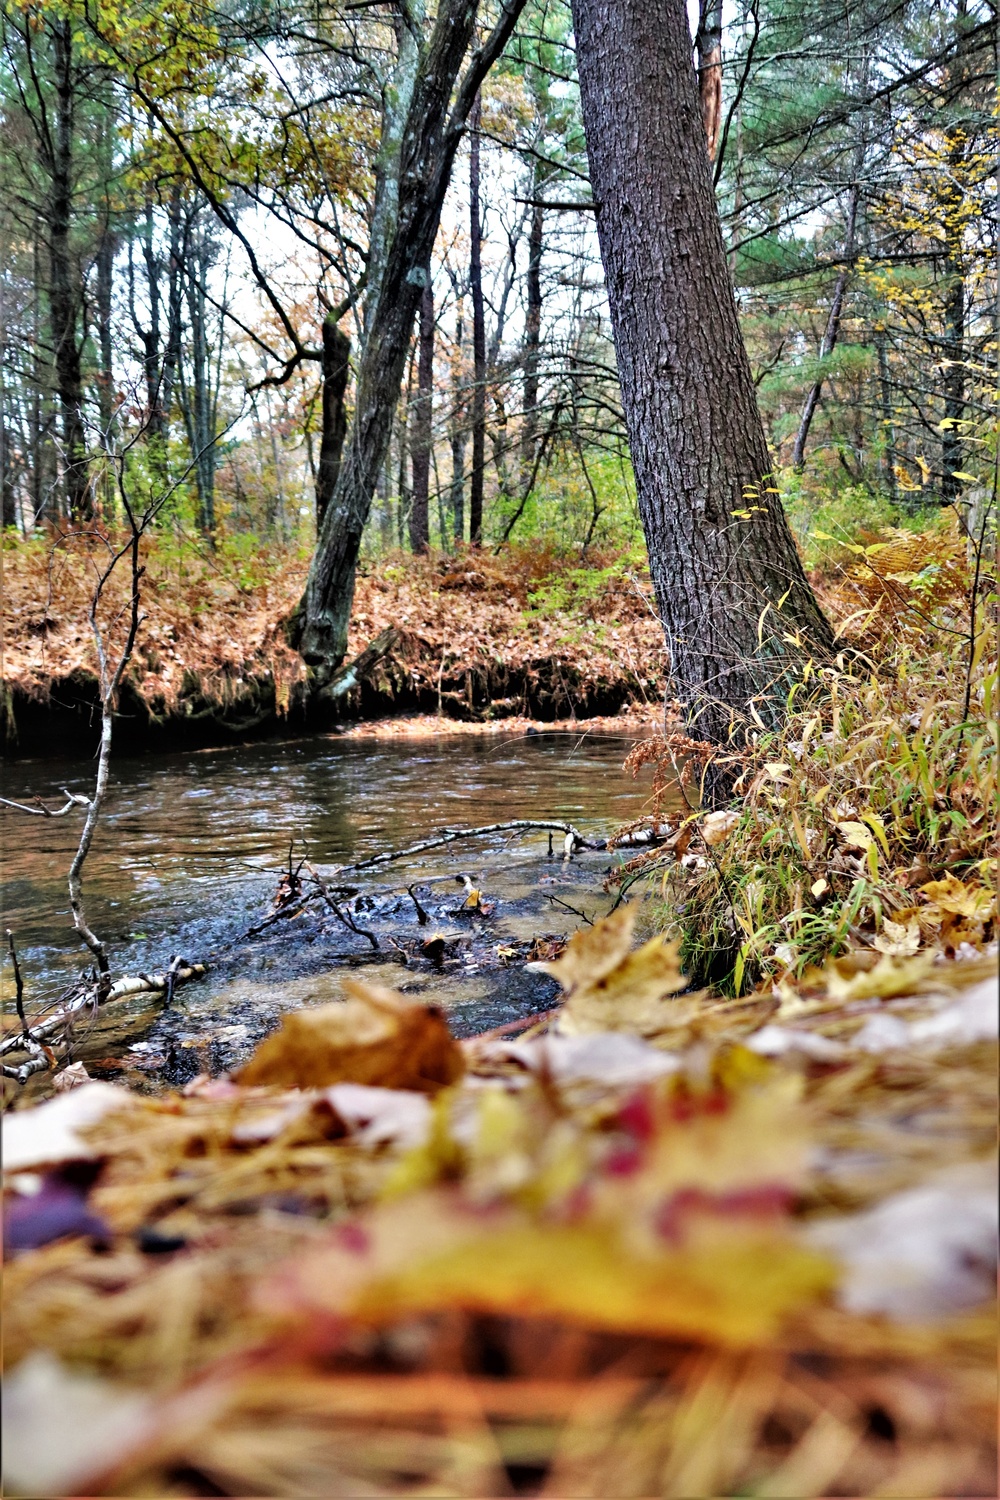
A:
(377, 1037)
(717, 826)
(609, 988)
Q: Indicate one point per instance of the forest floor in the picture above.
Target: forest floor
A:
(531, 635)
(723, 1222)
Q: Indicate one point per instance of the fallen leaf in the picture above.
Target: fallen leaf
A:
(717, 826)
(96, 1423)
(898, 939)
(49, 1133)
(609, 988)
(377, 1037)
(857, 835)
(731, 1279)
(952, 895)
(925, 1253)
(889, 977)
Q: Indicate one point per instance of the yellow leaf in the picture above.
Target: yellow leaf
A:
(961, 474)
(717, 826)
(952, 895)
(897, 939)
(856, 835)
(890, 976)
(609, 988)
(819, 886)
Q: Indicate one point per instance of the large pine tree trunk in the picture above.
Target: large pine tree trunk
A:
(737, 609)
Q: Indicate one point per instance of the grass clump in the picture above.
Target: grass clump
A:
(868, 821)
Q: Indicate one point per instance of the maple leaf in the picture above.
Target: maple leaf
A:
(609, 987)
(951, 895)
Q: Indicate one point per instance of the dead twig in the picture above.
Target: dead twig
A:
(452, 835)
(339, 912)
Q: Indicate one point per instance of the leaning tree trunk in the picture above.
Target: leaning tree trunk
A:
(433, 129)
(336, 369)
(737, 609)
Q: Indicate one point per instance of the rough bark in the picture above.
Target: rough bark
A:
(434, 126)
(422, 416)
(738, 613)
(336, 369)
(456, 426)
(478, 332)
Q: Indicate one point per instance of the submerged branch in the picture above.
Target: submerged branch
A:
(452, 835)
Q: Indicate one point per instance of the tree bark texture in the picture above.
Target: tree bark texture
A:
(478, 332)
(336, 369)
(422, 417)
(738, 613)
(427, 151)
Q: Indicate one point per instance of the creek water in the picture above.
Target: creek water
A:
(191, 847)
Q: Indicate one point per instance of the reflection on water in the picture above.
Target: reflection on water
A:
(187, 850)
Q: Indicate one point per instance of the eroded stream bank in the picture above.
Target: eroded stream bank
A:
(191, 849)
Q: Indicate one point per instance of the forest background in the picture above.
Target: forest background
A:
(186, 209)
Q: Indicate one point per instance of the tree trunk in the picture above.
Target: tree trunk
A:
(532, 333)
(478, 332)
(708, 42)
(198, 403)
(104, 288)
(457, 434)
(887, 425)
(422, 419)
(739, 616)
(8, 494)
(832, 331)
(66, 290)
(336, 369)
(430, 139)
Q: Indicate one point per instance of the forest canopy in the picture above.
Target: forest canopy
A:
(196, 197)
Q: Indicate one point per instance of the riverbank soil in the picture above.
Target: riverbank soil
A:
(530, 634)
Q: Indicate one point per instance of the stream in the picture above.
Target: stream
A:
(191, 847)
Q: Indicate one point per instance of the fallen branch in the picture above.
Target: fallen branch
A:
(341, 915)
(350, 675)
(39, 810)
(93, 996)
(452, 835)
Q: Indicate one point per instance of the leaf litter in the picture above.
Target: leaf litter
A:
(666, 1243)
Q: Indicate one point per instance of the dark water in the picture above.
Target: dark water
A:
(190, 847)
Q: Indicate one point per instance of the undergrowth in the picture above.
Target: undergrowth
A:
(882, 780)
